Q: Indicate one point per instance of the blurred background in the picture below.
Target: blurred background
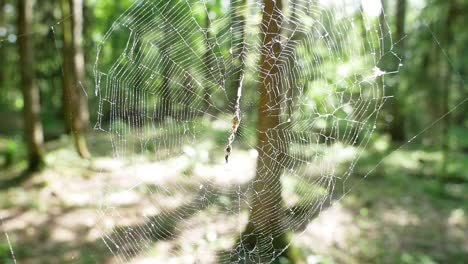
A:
(68, 155)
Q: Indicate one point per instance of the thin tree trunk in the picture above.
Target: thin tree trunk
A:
(67, 74)
(3, 92)
(73, 73)
(165, 105)
(239, 52)
(445, 78)
(78, 60)
(208, 63)
(397, 127)
(31, 109)
(265, 236)
(295, 37)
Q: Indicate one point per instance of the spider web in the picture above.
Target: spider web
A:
(184, 72)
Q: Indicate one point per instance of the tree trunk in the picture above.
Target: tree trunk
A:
(295, 37)
(73, 73)
(265, 236)
(165, 105)
(238, 50)
(208, 64)
(397, 127)
(31, 109)
(3, 92)
(67, 74)
(78, 60)
(445, 85)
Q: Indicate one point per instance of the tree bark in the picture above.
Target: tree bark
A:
(238, 50)
(445, 85)
(78, 59)
(3, 92)
(266, 235)
(76, 108)
(31, 109)
(295, 37)
(397, 127)
(208, 64)
(165, 106)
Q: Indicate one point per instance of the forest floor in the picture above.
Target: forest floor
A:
(69, 212)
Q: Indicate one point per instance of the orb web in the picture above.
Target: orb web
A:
(179, 73)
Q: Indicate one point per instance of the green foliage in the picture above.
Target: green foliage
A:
(5, 254)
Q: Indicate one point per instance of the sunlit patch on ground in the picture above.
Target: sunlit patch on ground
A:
(65, 213)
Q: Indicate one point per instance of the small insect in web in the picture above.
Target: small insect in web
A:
(228, 152)
(235, 123)
(234, 126)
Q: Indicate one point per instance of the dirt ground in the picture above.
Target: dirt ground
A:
(100, 211)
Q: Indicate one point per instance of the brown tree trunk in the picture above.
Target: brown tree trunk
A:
(208, 64)
(389, 64)
(238, 50)
(445, 85)
(295, 37)
(31, 109)
(3, 92)
(76, 108)
(397, 127)
(266, 234)
(78, 59)
(165, 105)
